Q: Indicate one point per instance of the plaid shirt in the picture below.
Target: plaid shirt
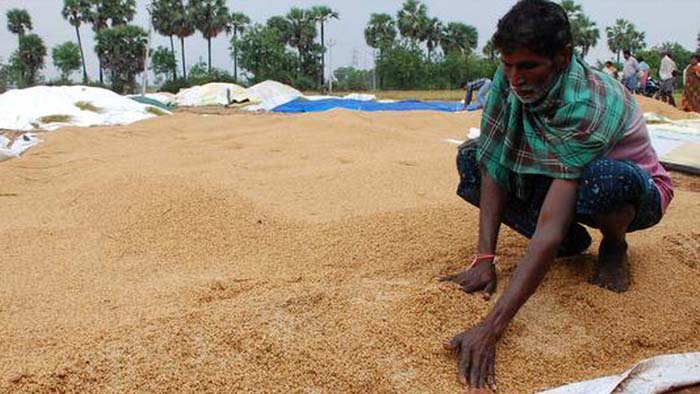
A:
(582, 118)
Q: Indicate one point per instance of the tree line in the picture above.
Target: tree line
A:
(412, 49)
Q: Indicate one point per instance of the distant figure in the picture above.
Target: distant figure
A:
(667, 74)
(691, 82)
(481, 86)
(611, 70)
(629, 71)
(644, 71)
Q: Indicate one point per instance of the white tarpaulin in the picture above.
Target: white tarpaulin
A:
(652, 376)
(10, 150)
(272, 94)
(215, 93)
(51, 107)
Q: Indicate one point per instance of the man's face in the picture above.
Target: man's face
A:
(626, 56)
(693, 61)
(530, 74)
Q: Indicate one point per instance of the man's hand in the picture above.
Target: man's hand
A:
(475, 350)
(481, 276)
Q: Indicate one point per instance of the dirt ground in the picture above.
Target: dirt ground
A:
(298, 254)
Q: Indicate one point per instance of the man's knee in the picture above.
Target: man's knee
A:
(607, 185)
(469, 174)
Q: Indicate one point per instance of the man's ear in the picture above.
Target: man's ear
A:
(563, 58)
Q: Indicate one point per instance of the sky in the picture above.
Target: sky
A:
(669, 20)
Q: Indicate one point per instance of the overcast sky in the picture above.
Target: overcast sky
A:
(669, 20)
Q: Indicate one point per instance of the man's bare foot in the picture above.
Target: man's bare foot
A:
(612, 271)
(576, 242)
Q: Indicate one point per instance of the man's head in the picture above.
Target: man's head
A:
(608, 64)
(694, 60)
(463, 85)
(626, 54)
(535, 42)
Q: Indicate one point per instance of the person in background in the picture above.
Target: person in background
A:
(481, 86)
(667, 74)
(691, 87)
(611, 70)
(629, 71)
(644, 71)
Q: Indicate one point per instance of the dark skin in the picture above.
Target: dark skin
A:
(475, 348)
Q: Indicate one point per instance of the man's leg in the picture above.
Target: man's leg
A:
(616, 197)
(519, 215)
(612, 271)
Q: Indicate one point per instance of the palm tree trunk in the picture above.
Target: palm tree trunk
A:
(235, 54)
(323, 56)
(82, 55)
(99, 64)
(209, 48)
(172, 49)
(184, 64)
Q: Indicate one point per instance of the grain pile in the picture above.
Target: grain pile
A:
(268, 253)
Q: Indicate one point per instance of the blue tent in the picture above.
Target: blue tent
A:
(304, 105)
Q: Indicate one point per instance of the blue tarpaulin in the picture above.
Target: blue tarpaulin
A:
(304, 105)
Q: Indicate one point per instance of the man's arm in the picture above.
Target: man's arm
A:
(491, 204)
(482, 276)
(476, 347)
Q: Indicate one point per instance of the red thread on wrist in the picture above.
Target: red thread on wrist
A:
(481, 258)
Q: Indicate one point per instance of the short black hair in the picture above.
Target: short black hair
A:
(538, 25)
(463, 85)
(608, 63)
(627, 52)
(696, 56)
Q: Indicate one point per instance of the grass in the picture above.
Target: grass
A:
(155, 111)
(87, 106)
(55, 119)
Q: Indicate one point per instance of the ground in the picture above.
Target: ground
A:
(269, 253)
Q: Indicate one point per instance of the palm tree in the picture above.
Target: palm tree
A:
(572, 9)
(459, 37)
(412, 19)
(19, 22)
(380, 34)
(210, 17)
(31, 56)
(77, 12)
(302, 31)
(432, 34)
(120, 12)
(102, 12)
(490, 50)
(183, 27)
(623, 35)
(323, 14)
(586, 34)
(239, 22)
(161, 17)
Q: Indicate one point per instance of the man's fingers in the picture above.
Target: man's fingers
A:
(463, 368)
(451, 344)
(490, 289)
(475, 369)
(484, 372)
(491, 372)
(446, 278)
